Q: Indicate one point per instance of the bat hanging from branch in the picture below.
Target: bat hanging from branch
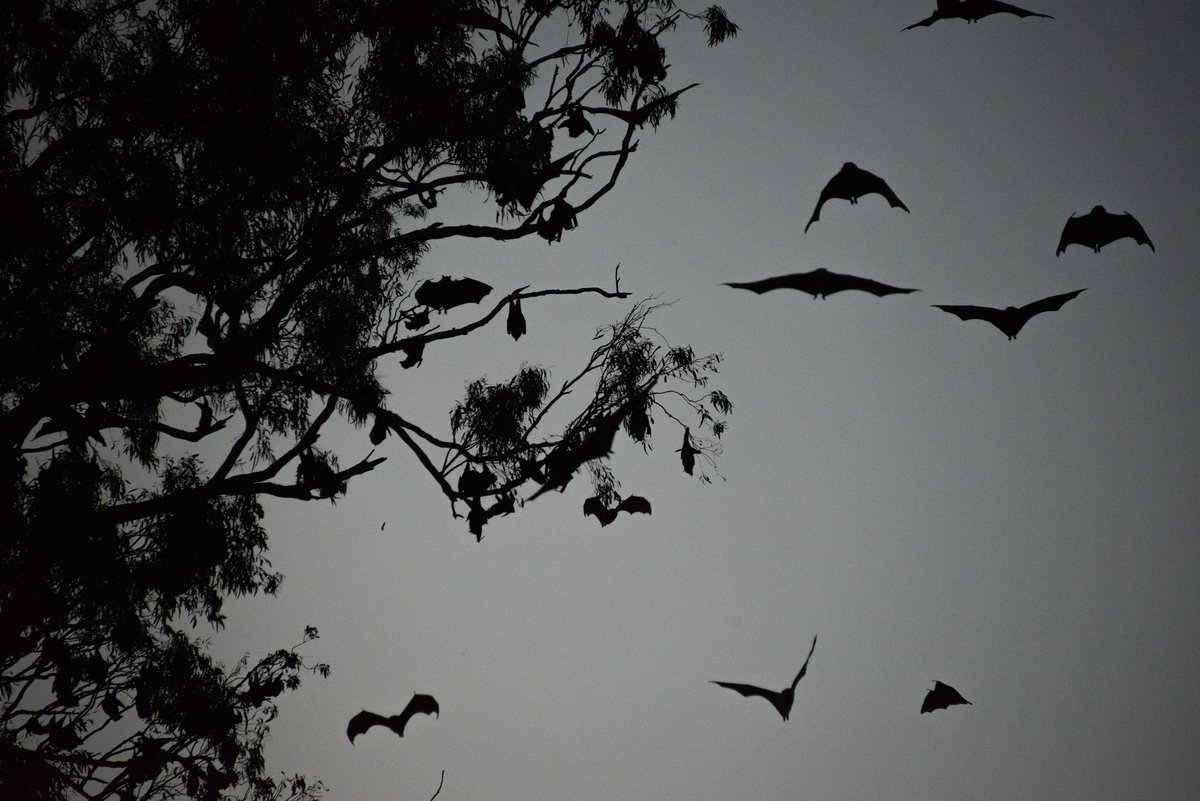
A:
(1098, 228)
(850, 183)
(1011, 319)
(781, 700)
(820, 283)
(942, 696)
(364, 720)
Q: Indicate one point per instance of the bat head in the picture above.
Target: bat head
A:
(1098, 210)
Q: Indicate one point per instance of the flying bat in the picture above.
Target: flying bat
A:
(1098, 228)
(941, 697)
(634, 503)
(516, 320)
(446, 293)
(851, 183)
(364, 720)
(820, 283)
(782, 700)
(972, 11)
(1012, 319)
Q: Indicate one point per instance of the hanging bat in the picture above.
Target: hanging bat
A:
(941, 697)
(446, 293)
(516, 320)
(632, 504)
(1012, 319)
(379, 430)
(851, 183)
(576, 123)
(414, 353)
(1098, 228)
(972, 11)
(687, 453)
(820, 283)
(782, 700)
(364, 720)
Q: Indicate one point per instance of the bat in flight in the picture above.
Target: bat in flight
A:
(820, 283)
(634, 503)
(1098, 228)
(851, 183)
(1012, 319)
(782, 700)
(446, 293)
(941, 697)
(972, 11)
(364, 720)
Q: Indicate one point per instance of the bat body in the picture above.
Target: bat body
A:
(634, 503)
(820, 283)
(1098, 228)
(851, 183)
(1012, 319)
(972, 11)
(941, 697)
(781, 700)
(687, 453)
(516, 320)
(576, 123)
(364, 720)
(446, 293)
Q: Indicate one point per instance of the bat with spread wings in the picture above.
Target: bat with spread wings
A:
(1098, 228)
(941, 697)
(820, 283)
(364, 720)
(850, 183)
(972, 11)
(634, 503)
(781, 700)
(446, 293)
(1011, 319)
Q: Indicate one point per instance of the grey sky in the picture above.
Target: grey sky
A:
(1017, 519)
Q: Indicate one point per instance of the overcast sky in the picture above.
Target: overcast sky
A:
(1016, 518)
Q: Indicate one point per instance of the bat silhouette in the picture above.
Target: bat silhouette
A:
(1098, 228)
(634, 503)
(687, 453)
(851, 183)
(446, 293)
(820, 283)
(576, 123)
(516, 320)
(782, 700)
(1012, 319)
(364, 720)
(972, 11)
(941, 697)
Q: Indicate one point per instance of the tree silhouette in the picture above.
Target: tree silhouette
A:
(214, 215)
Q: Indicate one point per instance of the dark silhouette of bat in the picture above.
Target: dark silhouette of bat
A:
(379, 430)
(941, 697)
(516, 320)
(781, 700)
(972, 11)
(364, 720)
(446, 293)
(820, 283)
(687, 453)
(414, 353)
(576, 123)
(634, 503)
(416, 320)
(851, 183)
(1012, 319)
(1098, 228)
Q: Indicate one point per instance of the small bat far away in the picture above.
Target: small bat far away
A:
(781, 700)
(851, 183)
(820, 283)
(941, 697)
(634, 503)
(446, 293)
(972, 11)
(364, 720)
(1011, 319)
(1098, 228)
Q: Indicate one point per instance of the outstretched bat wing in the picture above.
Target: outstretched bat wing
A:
(446, 293)
(993, 316)
(841, 283)
(925, 23)
(942, 696)
(804, 667)
(363, 721)
(634, 503)
(873, 184)
(1077, 231)
(985, 7)
(826, 194)
(1052, 303)
(790, 281)
(420, 704)
(1125, 225)
(749, 690)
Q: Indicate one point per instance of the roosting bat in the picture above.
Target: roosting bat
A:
(634, 503)
(781, 700)
(820, 283)
(687, 453)
(576, 123)
(941, 697)
(516, 320)
(364, 720)
(851, 183)
(1012, 319)
(446, 293)
(1098, 228)
(972, 11)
